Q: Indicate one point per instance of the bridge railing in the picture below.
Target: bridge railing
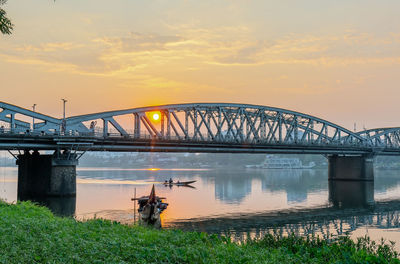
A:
(380, 143)
(144, 135)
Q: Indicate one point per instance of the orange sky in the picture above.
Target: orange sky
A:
(338, 61)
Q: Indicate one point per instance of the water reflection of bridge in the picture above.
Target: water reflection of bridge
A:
(351, 205)
(327, 222)
(235, 185)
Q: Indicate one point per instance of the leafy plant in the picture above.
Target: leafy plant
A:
(5, 23)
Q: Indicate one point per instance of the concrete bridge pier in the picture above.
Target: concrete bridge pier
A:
(351, 168)
(46, 175)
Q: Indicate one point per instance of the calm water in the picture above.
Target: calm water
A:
(238, 202)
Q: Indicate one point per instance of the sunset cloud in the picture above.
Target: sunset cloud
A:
(115, 56)
(138, 42)
(242, 51)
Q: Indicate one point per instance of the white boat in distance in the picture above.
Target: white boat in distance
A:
(272, 162)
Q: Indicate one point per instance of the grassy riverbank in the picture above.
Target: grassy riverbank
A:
(31, 234)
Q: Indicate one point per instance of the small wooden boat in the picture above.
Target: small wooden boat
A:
(179, 183)
(150, 208)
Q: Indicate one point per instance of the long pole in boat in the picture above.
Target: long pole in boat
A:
(134, 208)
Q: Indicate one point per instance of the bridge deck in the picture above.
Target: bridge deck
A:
(130, 144)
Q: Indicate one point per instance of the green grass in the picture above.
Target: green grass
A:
(31, 234)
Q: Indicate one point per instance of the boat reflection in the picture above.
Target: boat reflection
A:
(179, 186)
(296, 183)
(232, 187)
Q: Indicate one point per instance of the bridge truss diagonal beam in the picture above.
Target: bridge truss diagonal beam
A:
(247, 124)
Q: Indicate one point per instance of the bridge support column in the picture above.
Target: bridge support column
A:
(351, 168)
(46, 175)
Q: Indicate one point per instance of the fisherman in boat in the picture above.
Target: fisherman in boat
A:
(150, 208)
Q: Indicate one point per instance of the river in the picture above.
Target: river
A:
(237, 202)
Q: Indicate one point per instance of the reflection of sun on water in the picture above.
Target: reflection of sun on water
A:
(153, 169)
(114, 182)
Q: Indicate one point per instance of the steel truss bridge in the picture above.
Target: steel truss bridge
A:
(200, 127)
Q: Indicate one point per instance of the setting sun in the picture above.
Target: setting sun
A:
(156, 116)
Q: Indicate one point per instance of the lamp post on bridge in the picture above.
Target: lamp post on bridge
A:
(63, 125)
(33, 119)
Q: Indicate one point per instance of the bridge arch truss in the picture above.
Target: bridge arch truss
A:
(218, 123)
(382, 137)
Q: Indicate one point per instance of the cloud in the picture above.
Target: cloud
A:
(48, 47)
(317, 50)
(139, 42)
(49, 66)
(190, 47)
